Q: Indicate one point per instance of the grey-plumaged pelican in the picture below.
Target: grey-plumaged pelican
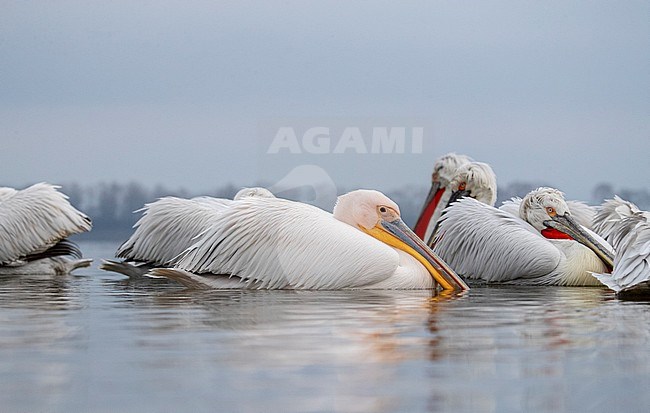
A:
(627, 228)
(443, 171)
(168, 227)
(582, 213)
(34, 225)
(542, 245)
(609, 215)
(275, 243)
(475, 180)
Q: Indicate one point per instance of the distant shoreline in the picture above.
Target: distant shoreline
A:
(113, 235)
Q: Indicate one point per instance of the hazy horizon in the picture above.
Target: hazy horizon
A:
(192, 94)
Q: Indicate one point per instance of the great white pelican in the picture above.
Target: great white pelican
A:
(168, 227)
(271, 243)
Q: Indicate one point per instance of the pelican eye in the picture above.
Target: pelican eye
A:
(383, 210)
(462, 186)
(551, 211)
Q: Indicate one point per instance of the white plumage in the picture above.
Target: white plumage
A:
(168, 227)
(624, 225)
(273, 243)
(276, 243)
(34, 220)
(610, 214)
(482, 242)
(474, 179)
(584, 214)
(443, 172)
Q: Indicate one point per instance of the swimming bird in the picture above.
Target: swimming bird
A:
(272, 243)
(610, 214)
(542, 245)
(168, 227)
(34, 225)
(627, 228)
(581, 212)
(475, 180)
(443, 171)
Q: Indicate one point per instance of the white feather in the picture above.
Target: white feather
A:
(34, 219)
(444, 170)
(482, 242)
(445, 167)
(276, 243)
(59, 265)
(609, 215)
(629, 230)
(496, 245)
(511, 206)
(198, 282)
(584, 214)
(169, 226)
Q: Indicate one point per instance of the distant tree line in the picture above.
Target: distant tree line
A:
(111, 205)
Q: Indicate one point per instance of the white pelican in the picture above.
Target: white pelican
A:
(542, 245)
(627, 228)
(276, 243)
(438, 197)
(168, 227)
(34, 225)
(475, 180)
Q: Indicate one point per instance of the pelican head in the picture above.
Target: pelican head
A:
(473, 179)
(378, 216)
(443, 171)
(547, 211)
(476, 180)
(257, 192)
(445, 167)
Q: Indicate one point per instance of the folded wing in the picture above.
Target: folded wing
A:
(609, 215)
(169, 226)
(276, 243)
(35, 219)
(631, 239)
(483, 242)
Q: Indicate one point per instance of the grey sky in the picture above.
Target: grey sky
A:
(189, 93)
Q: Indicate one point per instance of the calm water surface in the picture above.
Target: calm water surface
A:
(94, 341)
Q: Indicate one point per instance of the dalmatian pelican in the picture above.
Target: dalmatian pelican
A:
(443, 171)
(474, 179)
(627, 228)
(34, 225)
(542, 245)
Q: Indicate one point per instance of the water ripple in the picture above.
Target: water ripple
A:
(157, 346)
